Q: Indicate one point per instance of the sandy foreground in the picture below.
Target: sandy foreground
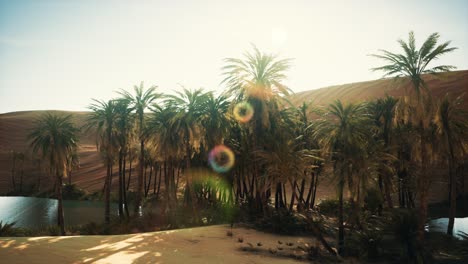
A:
(193, 245)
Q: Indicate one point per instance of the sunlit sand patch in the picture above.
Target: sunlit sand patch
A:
(37, 238)
(56, 239)
(7, 244)
(122, 257)
(123, 244)
(221, 159)
(21, 247)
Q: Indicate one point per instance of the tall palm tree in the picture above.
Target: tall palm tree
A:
(141, 101)
(55, 138)
(190, 108)
(343, 132)
(383, 110)
(168, 142)
(413, 63)
(102, 118)
(258, 79)
(309, 142)
(123, 126)
(452, 125)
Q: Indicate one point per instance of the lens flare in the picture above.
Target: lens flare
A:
(243, 112)
(221, 159)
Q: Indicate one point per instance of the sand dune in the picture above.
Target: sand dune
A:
(454, 83)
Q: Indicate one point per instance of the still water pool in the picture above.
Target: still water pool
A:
(32, 212)
(440, 225)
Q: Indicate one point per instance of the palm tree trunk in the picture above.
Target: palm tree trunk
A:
(107, 194)
(301, 195)
(140, 179)
(167, 185)
(285, 199)
(314, 195)
(311, 189)
(121, 185)
(159, 181)
(149, 180)
(129, 175)
(340, 214)
(155, 178)
(60, 218)
(124, 189)
(293, 195)
(453, 188)
(422, 185)
(144, 178)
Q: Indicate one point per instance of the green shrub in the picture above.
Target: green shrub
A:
(72, 192)
(282, 222)
(373, 200)
(7, 229)
(330, 207)
(91, 228)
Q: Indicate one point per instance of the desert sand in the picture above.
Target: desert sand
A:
(193, 245)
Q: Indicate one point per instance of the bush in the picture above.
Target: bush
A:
(7, 229)
(72, 192)
(373, 200)
(282, 222)
(329, 207)
(403, 224)
(91, 229)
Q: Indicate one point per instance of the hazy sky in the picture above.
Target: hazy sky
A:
(60, 54)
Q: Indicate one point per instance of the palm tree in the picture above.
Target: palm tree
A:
(452, 125)
(257, 79)
(102, 118)
(309, 142)
(123, 126)
(383, 110)
(141, 101)
(343, 132)
(413, 63)
(55, 138)
(168, 142)
(190, 108)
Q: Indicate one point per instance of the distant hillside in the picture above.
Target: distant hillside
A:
(15, 126)
(454, 83)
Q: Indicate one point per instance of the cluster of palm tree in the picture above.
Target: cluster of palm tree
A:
(283, 151)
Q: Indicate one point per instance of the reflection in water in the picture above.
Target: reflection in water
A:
(32, 212)
(440, 225)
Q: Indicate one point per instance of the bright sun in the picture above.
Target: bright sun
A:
(278, 37)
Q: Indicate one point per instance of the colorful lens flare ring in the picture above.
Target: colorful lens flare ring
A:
(221, 159)
(243, 112)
